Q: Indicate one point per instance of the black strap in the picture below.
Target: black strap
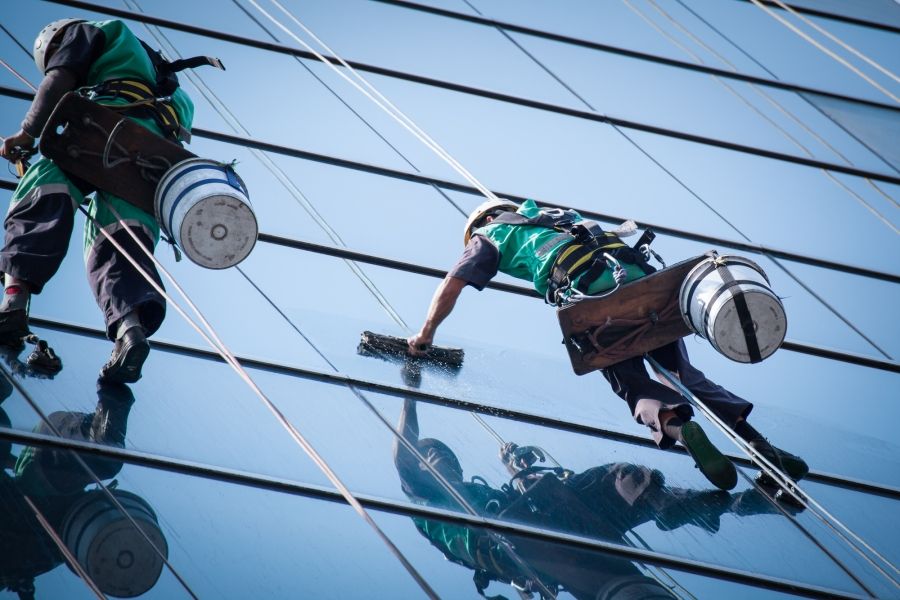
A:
(149, 105)
(192, 63)
(743, 311)
(166, 80)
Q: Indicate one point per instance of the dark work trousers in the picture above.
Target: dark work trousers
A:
(39, 224)
(647, 397)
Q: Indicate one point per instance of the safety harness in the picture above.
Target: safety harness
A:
(153, 100)
(582, 256)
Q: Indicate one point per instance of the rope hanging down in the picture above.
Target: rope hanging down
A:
(399, 116)
(364, 87)
(234, 121)
(464, 504)
(830, 53)
(447, 156)
(346, 105)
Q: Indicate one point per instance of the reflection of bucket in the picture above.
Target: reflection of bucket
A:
(727, 300)
(204, 207)
(109, 548)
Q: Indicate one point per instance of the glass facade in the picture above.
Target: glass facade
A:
(192, 483)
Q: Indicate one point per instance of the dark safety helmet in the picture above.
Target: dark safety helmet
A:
(439, 455)
(45, 37)
(484, 210)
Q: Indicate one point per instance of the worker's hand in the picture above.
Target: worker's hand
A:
(20, 139)
(521, 458)
(620, 274)
(507, 451)
(419, 344)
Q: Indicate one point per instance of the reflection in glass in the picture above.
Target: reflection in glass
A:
(605, 502)
(50, 484)
(877, 128)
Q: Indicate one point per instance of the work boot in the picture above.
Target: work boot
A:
(128, 356)
(790, 464)
(755, 502)
(110, 419)
(714, 465)
(14, 315)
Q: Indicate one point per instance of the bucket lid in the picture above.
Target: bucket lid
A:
(218, 232)
(769, 327)
(122, 562)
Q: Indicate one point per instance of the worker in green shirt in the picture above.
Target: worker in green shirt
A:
(105, 60)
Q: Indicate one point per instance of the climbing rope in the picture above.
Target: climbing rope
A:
(777, 105)
(830, 53)
(368, 90)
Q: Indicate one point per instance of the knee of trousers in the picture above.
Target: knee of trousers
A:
(109, 213)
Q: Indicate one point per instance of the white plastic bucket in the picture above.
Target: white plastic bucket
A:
(727, 300)
(203, 205)
(109, 548)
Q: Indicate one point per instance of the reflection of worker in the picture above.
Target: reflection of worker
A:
(71, 54)
(562, 254)
(603, 502)
(51, 482)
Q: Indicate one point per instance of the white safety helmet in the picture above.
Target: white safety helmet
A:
(43, 39)
(485, 209)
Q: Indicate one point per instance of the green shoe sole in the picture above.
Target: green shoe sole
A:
(714, 465)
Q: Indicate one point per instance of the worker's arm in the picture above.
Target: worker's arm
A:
(54, 85)
(408, 427)
(441, 306)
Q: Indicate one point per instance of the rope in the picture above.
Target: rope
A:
(207, 93)
(784, 482)
(771, 499)
(61, 545)
(826, 51)
(370, 92)
(722, 217)
(838, 41)
(748, 449)
(18, 75)
(804, 94)
(321, 58)
(232, 120)
(350, 108)
(778, 106)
